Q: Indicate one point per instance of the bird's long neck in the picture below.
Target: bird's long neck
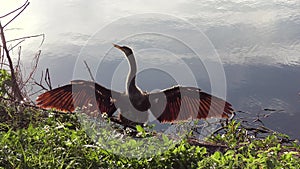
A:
(130, 82)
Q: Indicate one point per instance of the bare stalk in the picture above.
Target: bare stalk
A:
(15, 87)
(89, 70)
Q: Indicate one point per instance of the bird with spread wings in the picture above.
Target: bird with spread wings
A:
(170, 105)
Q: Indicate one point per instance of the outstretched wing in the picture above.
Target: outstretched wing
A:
(78, 94)
(185, 103)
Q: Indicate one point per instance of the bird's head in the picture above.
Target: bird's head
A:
(125, 49)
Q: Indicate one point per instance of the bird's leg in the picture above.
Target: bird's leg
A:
(128, 123)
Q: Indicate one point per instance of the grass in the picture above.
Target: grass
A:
(31, 138)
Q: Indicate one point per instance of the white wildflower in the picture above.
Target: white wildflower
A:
(104, 115)
(46, 128)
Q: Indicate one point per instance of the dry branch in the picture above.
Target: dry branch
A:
(26, 2)
(15, 87)
(22, 8)
(34, 67)
(89, 70)
(27, 37)
(47, 79)
(18, 90)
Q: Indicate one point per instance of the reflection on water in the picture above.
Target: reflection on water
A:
(257, 42)
(254, 88)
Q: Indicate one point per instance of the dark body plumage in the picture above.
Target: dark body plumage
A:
(169, 105)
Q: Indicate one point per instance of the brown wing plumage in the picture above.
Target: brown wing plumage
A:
(78, 94)
(184, 103)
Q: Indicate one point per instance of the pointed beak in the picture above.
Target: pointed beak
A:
(117, 46)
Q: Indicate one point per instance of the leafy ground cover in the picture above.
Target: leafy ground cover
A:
(34, 138)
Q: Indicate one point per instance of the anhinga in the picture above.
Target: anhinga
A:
(169, 105)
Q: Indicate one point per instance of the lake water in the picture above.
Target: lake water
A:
(246, 51)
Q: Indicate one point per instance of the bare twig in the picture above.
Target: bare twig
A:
(42, 86)
(18, 70)
(19, 56)
(22, 8)
(211, 147)
(41, 80)
(1, 57)
(11, 48)
(15, 10)
(16, 90)
(18, 67)
(48, 79)
(89, 70)
(27, 37)
(31, 94)
(34, 67)
(4, 64)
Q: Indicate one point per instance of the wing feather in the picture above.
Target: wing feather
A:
(78, 94)
(184, 103)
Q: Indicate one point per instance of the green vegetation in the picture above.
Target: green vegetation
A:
(32, 138)
(4, 82)
(35, 138)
